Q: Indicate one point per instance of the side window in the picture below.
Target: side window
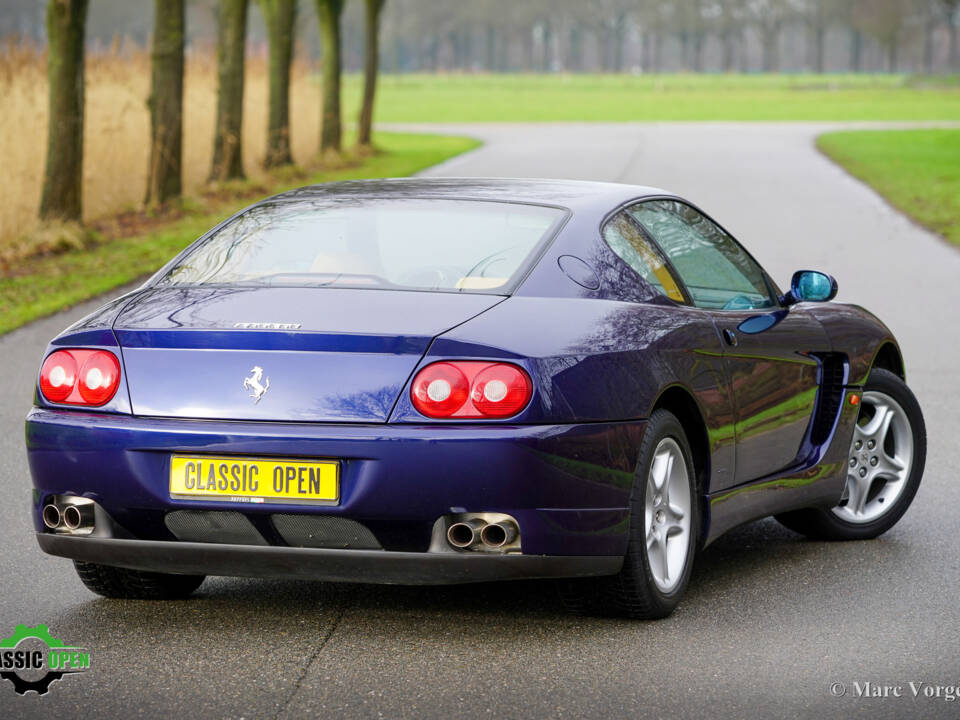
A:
(626, 240)
(716, 271)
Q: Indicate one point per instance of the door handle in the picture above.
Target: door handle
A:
(730, 337)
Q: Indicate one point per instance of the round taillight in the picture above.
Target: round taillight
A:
(439, 390)
(501, 390)
(99, 377)
(80, 377)
(58, 376)
(471, 389)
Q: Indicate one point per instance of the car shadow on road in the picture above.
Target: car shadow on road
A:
(760, 559)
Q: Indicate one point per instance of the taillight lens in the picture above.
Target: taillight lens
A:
(80, 377)
(439, 390)
(469, 389)
(500, 390)
(99, 377)
(58, 376)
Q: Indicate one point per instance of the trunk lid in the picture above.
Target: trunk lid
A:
(284, 354)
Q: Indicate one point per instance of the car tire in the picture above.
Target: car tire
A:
(664, 510)
(906, 429)
(122, 583)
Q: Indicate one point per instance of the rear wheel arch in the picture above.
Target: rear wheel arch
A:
(681, 403)
(888, 357)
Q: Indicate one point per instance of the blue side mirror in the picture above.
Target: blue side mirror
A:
(811, 286)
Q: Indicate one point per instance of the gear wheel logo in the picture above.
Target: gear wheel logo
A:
(32, 658)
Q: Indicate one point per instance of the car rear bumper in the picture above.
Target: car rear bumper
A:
(362, 566)
(567, 486)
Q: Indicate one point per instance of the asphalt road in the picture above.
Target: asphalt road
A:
(770, 623)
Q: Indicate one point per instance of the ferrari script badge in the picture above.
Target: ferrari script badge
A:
(253, 383)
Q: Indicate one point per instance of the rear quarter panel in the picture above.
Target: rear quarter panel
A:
(595, 360)
(591, 360)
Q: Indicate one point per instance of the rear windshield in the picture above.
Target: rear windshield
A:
(415, 244)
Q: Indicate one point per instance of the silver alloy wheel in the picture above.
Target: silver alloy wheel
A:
(881, 456)
(667, 512)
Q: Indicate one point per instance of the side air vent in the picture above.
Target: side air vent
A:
(324, 531)
(228, 527)
(833, 370)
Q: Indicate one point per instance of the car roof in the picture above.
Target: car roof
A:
(572, 194)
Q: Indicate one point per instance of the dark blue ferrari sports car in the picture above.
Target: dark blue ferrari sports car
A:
(451, 381)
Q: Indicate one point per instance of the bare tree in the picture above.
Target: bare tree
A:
(572, 35)
(817, 16)
(884, 19)
(371, 62)
(490, 47)
(279, 16)
(951, 9)
(692, 33)
(930, 21)
(231, 42)
(768, 16)
(658, 18)
(609, 20)
(63, 178)
(331, 133)
(845, 12)
(166, 102)
(618, 31)
(730, 19)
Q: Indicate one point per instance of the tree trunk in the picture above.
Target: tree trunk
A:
(63, 179)
(166, 102)
(729, 49)
(574, 54)
(467, 48)
(646, 56)
(856, 50)
(698, 40)
(528, 50)
(685, 63)
(930, 27)
(771, 59)
(231, 42)
(619, 42)
(371, 61)
(819, 60)
(279, 16)
(744, 55)
(453, 41)
(433, 53)
(954, 46)
(606, 34)
(491, 49)
(331, 133)
(546, 63)
(398, 64)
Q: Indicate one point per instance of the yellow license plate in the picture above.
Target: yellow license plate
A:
(255, 480)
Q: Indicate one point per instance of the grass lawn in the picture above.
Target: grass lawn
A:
(655, 98)
(917, 171)
(44, 285)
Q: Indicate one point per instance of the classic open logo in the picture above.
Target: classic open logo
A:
(32, 659)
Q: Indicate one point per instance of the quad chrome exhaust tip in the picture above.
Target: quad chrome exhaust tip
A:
(70, 514)
(480, 532)
(499, 534)
(78, 517)
(51, 516)
(465, 533)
